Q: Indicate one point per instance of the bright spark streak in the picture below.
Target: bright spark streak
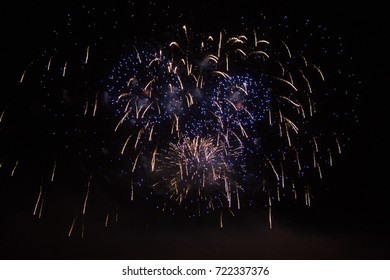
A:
(86, 56)
(72, 226)
(153, 163)
(125, 145)
(87, 195)
(135, 163)
(95, 105)
(14, 169)
(22, 78)
(64, 69)
(287, 48)
(86, 106)
(269, 211)
(2, 115)
(49, 63)
(54, 170)
(273, 168)
(287, 82)
(38, 199)
(219, 44)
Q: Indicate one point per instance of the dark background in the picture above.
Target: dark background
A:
(352, 221)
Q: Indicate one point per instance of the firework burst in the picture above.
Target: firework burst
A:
(254, 97)
(214, 121)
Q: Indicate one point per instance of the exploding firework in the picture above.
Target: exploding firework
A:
(256, 98)
(214, 121)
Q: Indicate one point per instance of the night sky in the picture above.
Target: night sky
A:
(349, 220)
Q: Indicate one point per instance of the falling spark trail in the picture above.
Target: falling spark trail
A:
(2, 115)
(49, 63)
(138, 137)
(153, 163)
(1, 163)
(85, 201)
(338, 145)
(319, 170)
(238, 199)
(219, 44)
(86, 56)
(307, 197)
(287, 48)
(319, 71)
(107, 218)
(294, 191)
(315, 144)
(273, 169)
(14, 169)
(135, 163)
(269, 117)
(72, 226)
(87, 195)
(132, 190)
(53, 172)
(298, 161)
(95, 106)
(269, 211)
(86, 106)
(330, 158)
(122, 119)
(22, 78)
(38, 200)
(82, 231)
(64, 69)
(125, 145)
(287, 82)
(41, 208)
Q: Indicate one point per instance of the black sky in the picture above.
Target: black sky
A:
(350, 223)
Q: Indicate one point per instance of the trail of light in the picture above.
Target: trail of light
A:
(135, 163)
(38, 200)
(269, 211)
(14, 169)
(125, 145)
(86, 56)
(87, 195)
(95, 105)
(64, 69)
(49, 63)
(72, 226)
(22, 77)
(54, 170)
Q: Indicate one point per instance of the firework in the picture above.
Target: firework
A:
(245, 100)
(214, 121)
